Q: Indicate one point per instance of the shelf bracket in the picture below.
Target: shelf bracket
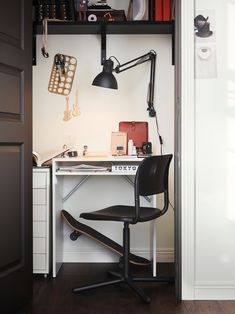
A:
(103, 44)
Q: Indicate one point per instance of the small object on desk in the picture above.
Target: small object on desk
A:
(147, 148)
(85, 152)
(130, 147)
(73, 153)
(134, 150)
(118, 143)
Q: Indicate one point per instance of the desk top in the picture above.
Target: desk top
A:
(98, 158)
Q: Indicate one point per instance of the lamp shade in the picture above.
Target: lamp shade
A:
(106, 78)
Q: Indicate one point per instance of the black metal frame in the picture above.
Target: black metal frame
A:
(150, 56)
(126, 277)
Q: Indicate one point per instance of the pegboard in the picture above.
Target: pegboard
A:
(61, 79)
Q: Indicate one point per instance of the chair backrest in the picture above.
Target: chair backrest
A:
(152, 178)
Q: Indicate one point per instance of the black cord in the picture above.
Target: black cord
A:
(159, 136)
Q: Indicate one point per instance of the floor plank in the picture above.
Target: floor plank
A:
(54, 296)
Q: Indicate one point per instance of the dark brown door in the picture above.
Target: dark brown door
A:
(15, 154)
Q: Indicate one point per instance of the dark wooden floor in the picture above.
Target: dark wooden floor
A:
(54, 296)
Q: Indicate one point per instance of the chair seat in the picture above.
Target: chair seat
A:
(122, 213)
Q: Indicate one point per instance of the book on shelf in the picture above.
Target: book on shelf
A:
(163, 10)
(166, 14)
(158, 10)
(151, 10)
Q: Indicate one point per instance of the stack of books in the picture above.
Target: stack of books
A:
(164, 10)
(161, 10)
(152, 10)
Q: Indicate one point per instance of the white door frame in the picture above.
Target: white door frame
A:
(185, 151)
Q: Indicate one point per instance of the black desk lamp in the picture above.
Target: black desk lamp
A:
(108, 80)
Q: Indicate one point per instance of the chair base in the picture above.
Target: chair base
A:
(129, 281)
(125, 277)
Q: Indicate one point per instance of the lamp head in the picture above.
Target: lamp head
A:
(106, 78)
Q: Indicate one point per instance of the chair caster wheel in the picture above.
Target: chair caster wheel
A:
(74, 235)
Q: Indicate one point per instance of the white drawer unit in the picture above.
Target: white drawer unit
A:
(41, 220)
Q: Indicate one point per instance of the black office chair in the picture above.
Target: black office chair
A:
(151, 179)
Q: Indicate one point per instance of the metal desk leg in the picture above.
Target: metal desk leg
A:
(154, 248)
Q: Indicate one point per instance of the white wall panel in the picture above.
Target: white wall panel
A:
(215, 162)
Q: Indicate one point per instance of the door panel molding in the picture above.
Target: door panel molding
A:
(15, 155)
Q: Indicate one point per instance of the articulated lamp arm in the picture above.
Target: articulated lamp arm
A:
(150, 56)
(108, 80)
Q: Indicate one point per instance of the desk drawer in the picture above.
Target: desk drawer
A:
(39, 261)
(39, 197)
(39, 180)
(39, 245)
(39, 229)
(39, 213)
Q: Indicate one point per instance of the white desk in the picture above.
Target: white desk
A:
(59, 196)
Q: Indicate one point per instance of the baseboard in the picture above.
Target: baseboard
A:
(214, 291)
(163, 256)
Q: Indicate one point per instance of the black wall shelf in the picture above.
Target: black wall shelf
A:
(85, 28)
(133, 27)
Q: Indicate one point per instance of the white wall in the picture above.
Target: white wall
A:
(102, 109)
(215, 163)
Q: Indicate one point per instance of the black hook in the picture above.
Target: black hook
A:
(44, 53)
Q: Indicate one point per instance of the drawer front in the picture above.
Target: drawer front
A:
(39, 229)
(39, 197)
(39, 245)
(39, 213)
(39, 261)
(39, 180)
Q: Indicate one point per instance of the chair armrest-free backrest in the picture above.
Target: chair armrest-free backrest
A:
(151, 179)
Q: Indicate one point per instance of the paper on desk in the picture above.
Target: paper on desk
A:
(83, 167)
